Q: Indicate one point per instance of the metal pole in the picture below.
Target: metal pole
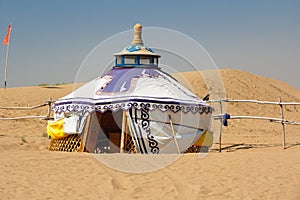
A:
(6, 63)
(282, 122)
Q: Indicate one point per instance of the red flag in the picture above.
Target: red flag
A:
(6, 38)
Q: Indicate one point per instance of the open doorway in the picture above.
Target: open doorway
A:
(104, 132)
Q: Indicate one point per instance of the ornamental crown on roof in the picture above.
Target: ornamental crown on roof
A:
(136, 54)
(137, 38)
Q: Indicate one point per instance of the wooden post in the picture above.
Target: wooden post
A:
(85, 132)
(221, 126)
(49, 107)
(174, 134)
(123, 132)
(282, 122)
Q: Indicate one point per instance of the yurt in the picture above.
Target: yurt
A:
(135, 107)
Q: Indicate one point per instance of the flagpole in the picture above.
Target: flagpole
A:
(6, 63)
(6, 42)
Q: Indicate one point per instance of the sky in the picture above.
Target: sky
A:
(51, 39)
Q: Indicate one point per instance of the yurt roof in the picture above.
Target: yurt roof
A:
(123, 88)
(140, 86)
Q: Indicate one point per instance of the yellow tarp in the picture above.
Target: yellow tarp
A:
(56, 129)
(206, 139)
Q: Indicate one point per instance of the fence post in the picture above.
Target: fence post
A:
(221, 126)
(282, 123)
(49, 108)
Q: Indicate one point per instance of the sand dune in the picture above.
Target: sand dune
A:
(259, 169)
(243, 85)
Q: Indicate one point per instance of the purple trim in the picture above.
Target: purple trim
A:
(174, 102)
(125, 75)
(127, 97)
(89, 107)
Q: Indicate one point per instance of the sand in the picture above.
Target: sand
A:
(258, 169)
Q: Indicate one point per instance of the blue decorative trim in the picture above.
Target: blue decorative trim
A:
(149, 49)
(133, 48)
(137, 65)
(122, 60)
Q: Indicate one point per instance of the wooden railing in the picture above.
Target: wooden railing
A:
(220, 117)
(278, 120)
(45, 117)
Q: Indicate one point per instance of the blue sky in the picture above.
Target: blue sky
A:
(50, 39)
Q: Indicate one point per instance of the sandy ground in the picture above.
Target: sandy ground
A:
(258, 169)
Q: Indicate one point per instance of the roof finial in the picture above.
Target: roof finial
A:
(137, 38)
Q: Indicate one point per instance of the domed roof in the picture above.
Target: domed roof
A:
(137, 46)
(137, 50)
(123, 88)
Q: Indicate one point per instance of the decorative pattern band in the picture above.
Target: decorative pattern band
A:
(153, 144)
(82, 107)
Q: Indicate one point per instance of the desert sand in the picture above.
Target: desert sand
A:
(258, 169)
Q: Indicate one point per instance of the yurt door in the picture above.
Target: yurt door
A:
(104, 133)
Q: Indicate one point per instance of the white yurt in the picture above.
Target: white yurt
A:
(134, 107)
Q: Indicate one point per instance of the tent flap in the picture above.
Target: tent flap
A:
(153, 133)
